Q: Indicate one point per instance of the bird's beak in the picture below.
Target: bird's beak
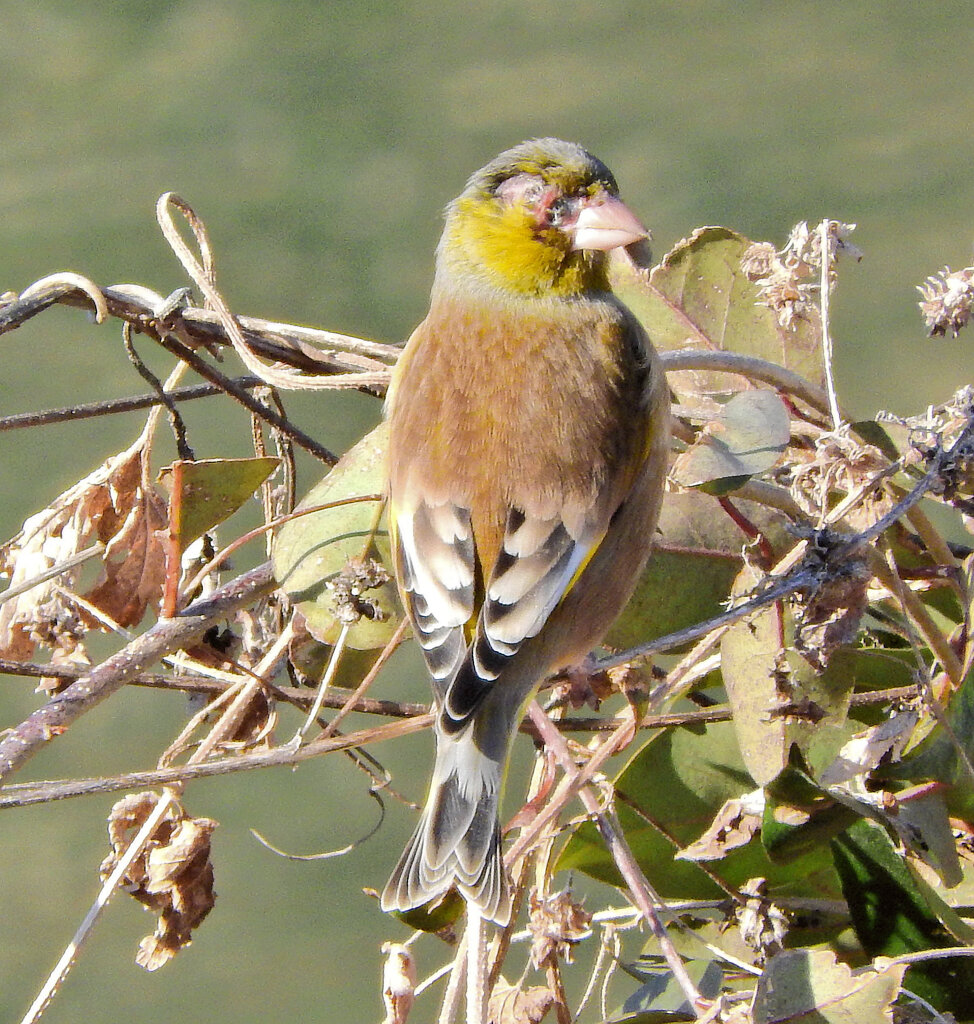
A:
(606, 223)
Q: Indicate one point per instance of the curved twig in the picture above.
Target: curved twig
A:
(166, 636)
(747, 366)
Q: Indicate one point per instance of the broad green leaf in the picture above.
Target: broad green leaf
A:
(799, 815)
(749, 437)
(894, 913)
(698, 297)
(696, 557)
(312, 552)
(660, 999)
(810, 986)
(670, 792)
(938, 759)
(205, 493)
(777, 696)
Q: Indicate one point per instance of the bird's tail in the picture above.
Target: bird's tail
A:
(457, 841)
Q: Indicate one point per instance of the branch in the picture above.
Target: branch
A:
(45, 792)
(304, 348)
(747, 366)
(166, 636)
(111, 406)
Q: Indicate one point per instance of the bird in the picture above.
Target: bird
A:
(528, 437)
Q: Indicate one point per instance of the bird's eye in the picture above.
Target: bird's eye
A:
(557, 211)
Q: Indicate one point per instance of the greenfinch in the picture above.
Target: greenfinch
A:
(529, 432)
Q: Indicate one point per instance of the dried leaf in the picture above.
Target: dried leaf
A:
(735, 825)
(113, 505)
(867, 749)
(510, 1005)
(830, 619)
(172, 876)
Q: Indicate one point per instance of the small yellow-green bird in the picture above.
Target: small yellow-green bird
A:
(529, 431)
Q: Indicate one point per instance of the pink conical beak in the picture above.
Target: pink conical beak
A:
(606, 223)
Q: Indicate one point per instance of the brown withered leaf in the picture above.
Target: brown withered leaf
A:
(112, 505)
(734, 825)
(556, 924)
(510, 1005)
(172, 876)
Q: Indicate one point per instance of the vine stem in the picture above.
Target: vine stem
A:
(608, 826)
(825, 286)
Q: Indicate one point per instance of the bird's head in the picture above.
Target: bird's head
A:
(538, 220)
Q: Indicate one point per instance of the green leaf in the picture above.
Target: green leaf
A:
(748, 438)
(894, 913)
(937, 757)
(698, 297)
(777, 696)
(207, 492)
(811, 986)
(670, 792)
(310, 552)
(696, 558)
(660, 999)
(799, 815)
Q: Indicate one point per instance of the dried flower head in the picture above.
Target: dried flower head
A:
(349, 590)
(763, 926)
(841, 464)
(946, 301)
(939, 430)
(788, 281)
(556, 923)
(804, 246)
(759, 260)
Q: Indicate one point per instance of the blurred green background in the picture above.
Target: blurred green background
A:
(320, 142)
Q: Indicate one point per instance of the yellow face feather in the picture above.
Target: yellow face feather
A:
(504, 244)
(504, 229)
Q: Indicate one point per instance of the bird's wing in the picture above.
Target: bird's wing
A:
(437, 564)
(538, 563)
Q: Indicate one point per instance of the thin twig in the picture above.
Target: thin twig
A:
(451, 995)
(16, 796)
(70, 954)
(113, 406)
(204, 278)
(615, 840)
(208, 372)
(476, 956)
(747, 366)
(328, 854)
(55, 570)
(825, 287)
(329, 674)
(314, 350)
(166, 636)
(357, 695)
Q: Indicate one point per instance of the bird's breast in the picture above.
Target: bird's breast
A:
(522, 405)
